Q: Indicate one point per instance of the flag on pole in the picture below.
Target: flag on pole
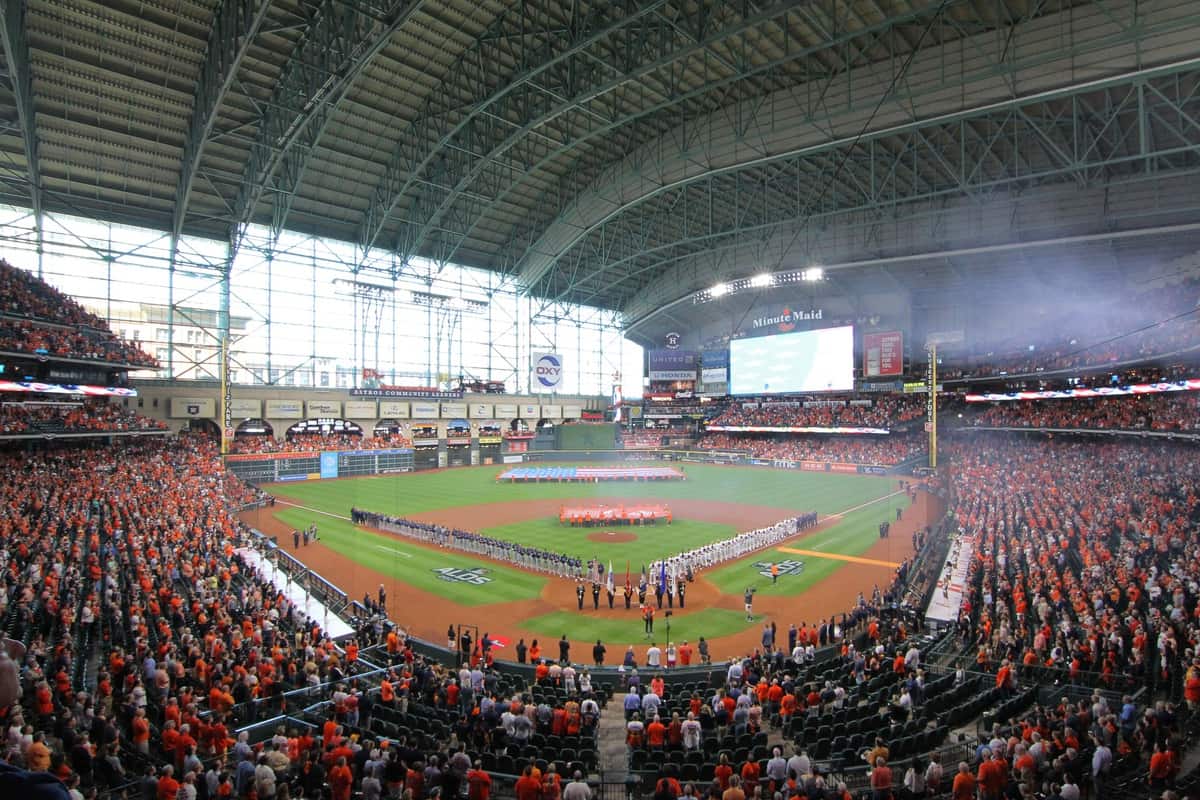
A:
(610, 578)
(628, 585)
(642, 581)
(671, 580)
(662, 576)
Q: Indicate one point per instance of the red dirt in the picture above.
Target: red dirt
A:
(427, 615)
(611, 537)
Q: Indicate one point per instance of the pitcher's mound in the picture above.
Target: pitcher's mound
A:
(612, 537)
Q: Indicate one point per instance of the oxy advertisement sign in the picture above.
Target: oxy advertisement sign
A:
(546, 372)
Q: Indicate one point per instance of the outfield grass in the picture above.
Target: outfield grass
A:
(415, 566)
(690, 625)
(408, 494)
(652, 543)
(418, 492)
(851, 536)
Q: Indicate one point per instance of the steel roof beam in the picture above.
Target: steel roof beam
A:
(492, 142)
(661, 164)
(234, 28)
(477, 75)
(20, 80)
(627, 252)
(340, 41)
(636, 126)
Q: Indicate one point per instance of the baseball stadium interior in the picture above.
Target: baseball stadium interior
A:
(599, 399)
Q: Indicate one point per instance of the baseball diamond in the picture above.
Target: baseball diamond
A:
(600, 400)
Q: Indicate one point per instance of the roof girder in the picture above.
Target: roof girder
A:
(236, 23)
(337, 45)
(1091, 150)
(20, 80)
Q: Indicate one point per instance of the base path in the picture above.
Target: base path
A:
(427, 615)
(839, 557)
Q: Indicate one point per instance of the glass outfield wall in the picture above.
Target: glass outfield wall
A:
(305, 311)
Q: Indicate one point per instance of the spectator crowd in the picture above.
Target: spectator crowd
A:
(316, 442)
(1086, 560)
(1166, 412)
(90, 416)
(870, 449)
(1152, 324)
(883, 411)
(42, 321)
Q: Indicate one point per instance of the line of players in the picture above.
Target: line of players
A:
(673, 574)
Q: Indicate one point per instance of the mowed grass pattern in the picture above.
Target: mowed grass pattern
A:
(416, 566)
(653, 542)
(401, 495)
(416, 493)
(852, 535)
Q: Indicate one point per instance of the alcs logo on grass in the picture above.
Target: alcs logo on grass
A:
(785, 568)
(476, 576)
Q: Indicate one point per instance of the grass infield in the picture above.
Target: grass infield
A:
(418, 492)
(417, 566)
(409, 494)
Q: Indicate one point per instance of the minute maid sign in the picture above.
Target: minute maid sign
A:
(787, 319)
(547, 372)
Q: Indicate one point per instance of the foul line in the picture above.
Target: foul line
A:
(860, 505)
(392, 550)
(342, 517)
(313, 510)
(838, 557)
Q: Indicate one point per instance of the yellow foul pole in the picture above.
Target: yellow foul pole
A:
(931, 406)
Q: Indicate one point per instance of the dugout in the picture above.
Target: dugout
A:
(490, 442)
(458, 443)
(425, 446)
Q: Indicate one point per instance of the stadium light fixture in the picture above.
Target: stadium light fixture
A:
(764, 279)
(813, 274)
(719, 290)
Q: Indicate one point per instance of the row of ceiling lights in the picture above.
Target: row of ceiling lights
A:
(760, 281)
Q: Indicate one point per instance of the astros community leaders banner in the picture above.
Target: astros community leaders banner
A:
(546, 372)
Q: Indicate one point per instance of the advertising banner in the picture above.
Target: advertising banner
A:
(424, 410)
(572, 412)
(324, 408)
(673, 365)
(361, 409)
(883, 354)
(391, 409)
(329, 465)
(285, 409)
(453, 410)
(712, 359)
(531, 411)
(1190, 385)
(546, 372)
(66, 388)
(193, 407)
(408, 391)
(480, 411)
(552, 412)
(713, 375)
(506, 410)
(245, 408)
